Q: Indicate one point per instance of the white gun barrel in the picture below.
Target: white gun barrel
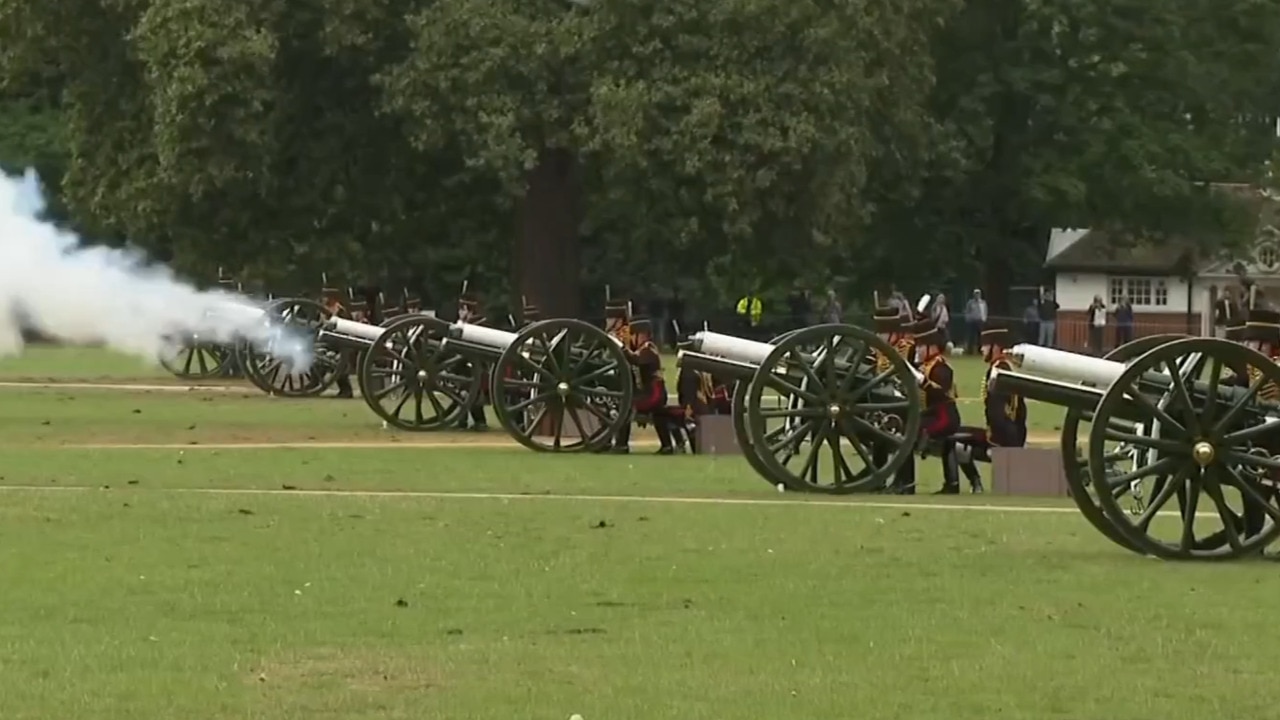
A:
(733, 348)
(354, 329)
(480, 335)
(1062, 365)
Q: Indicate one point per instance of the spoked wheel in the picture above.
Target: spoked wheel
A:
(275, 375)
(409, 380)
(197, 360)
(562, 386)
(1075, 462)
(1206, 437)
(836, 395)
(742, 432)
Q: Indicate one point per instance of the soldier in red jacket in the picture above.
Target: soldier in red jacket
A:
(941, 415)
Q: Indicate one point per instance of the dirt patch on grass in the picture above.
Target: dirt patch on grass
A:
(357, 669)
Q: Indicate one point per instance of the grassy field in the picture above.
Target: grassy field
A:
(444, 577)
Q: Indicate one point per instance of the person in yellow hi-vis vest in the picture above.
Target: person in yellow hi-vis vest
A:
(750, 310)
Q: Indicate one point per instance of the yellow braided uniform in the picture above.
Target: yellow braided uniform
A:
(929, 384)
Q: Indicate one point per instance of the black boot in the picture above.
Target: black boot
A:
(478, 421)
(622, 443)
(344, 387)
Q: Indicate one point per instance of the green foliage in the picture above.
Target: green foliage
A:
(719, 146)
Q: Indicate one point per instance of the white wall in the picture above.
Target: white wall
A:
(1075, 291)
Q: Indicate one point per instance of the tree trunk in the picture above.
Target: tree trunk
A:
(547, 259)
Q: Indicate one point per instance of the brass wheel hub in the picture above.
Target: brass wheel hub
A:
(563, 389)
(1203, 453)
(834, 410)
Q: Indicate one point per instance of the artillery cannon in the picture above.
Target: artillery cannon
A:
(272, 372)
(556, 385)
(195, 358)
(831, 395)
(1168, 418)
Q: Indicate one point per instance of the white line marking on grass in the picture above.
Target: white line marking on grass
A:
(652, 499)
(125, 386)
(873, 504)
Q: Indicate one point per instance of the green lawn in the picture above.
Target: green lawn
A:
(473, 582)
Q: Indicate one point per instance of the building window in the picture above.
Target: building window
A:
(1142, 292)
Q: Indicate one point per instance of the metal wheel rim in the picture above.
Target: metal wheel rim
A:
(1076, 468)
(1228, 354)
(558, 370)
(408, 354)
(739, 414)
(263, 370)
(847, 393)
(180, 363)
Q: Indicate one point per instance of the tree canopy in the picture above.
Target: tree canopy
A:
(551, 148)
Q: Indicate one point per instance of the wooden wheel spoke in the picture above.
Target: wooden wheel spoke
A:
(1164, 494)
(1167, 422)
(1159, 467)
(1213, 488)
(1167, 447)
(1191, 419)
(1246, 398)
(865, 427)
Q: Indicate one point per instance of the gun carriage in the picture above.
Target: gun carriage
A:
(1167, 419)
(812, 393)
(273, 373)
(195, 358)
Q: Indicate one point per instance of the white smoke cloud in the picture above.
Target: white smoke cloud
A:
(52, 283)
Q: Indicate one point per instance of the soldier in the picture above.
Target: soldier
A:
(1006, 414)
(469, 312)
(331, 298)
(650, 403)
(941, 415)
(617, 323)
(693, 401)
(888, 322)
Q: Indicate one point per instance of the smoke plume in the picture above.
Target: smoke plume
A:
(81, 294)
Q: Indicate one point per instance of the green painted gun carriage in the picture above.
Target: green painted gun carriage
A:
(812, 412)
(1169, 443)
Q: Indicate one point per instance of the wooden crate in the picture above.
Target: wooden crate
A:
(716, 436)
(1029, 472)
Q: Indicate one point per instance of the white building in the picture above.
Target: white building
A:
(1172, 289)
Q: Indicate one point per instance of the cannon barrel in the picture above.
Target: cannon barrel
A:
(1070, 368)
(728, 346)
(717, 366)
(351, 332)
(471, 350)
(740, 366)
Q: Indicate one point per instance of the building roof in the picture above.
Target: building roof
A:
(1097, 250)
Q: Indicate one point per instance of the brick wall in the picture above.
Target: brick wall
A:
(1073, 327)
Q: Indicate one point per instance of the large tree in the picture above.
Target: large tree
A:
(740, 130)
(1092, 113)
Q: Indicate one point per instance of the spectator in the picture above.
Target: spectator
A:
(1124, 322)
(1048, 320)
(749, 311)
(941, 316)
(834, 311)
(1031, 321)
(1097, 324)
(798, 304)
(975, 318)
